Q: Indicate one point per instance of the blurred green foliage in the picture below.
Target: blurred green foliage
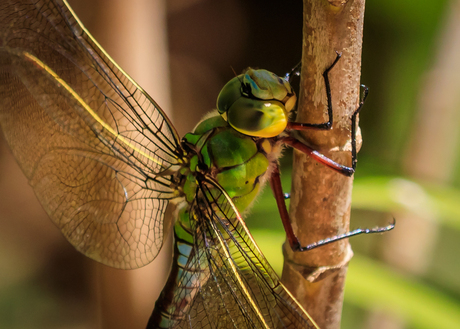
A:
(399, 43)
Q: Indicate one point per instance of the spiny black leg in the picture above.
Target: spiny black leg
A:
(349, 234)
(348, 171)
(344, 170)
(325, 125)
(328, 124)
(275, 183)
(353, 127)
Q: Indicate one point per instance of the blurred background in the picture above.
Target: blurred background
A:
(182, 52)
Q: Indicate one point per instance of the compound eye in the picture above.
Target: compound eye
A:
(257, 118)
(257, 103)
(229, 94)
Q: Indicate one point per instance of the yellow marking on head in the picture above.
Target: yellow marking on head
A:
(266, 146)
(87, 107)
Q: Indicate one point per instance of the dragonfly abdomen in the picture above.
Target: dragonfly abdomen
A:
(183, 283)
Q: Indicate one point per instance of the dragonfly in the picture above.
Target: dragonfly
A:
(107, 165)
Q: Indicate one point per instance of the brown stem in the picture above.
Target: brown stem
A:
(321, 197)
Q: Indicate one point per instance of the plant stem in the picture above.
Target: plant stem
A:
(321, 198)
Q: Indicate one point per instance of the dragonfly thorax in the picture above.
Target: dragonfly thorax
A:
(257, 103)
(236, 161)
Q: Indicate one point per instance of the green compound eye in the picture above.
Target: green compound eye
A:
(257, 103)
(266, 85)
(257, 118)
(229, 94)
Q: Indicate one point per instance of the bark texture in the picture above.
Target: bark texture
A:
(321, 198)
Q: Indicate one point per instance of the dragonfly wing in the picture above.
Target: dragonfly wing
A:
(233, 284)
(94, 146)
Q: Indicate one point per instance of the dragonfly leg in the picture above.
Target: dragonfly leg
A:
(294, 72)
(353, 126)
(325, 125)
(342, 169)
(321, 158)
(379, 229)
(347, 171)
(275, 183)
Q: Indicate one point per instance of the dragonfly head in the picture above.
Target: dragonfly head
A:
(257, 103)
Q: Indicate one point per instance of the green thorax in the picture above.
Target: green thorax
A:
(236, 161)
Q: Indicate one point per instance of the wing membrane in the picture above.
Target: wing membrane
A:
(233, 285)
(96, 148)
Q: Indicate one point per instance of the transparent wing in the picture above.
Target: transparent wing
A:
(96, 148)
(235, 285)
